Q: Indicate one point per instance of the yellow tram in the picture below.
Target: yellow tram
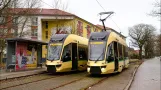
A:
(107, 53)
(67, 52)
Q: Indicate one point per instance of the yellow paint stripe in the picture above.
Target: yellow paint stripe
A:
(56, 44)
(96, 42)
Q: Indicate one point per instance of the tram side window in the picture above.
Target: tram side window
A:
(124, 52)
(109, 56)
(120, 52)
(82, 53)
(67, 53)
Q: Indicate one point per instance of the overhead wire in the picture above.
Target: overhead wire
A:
(46, 3)
(110, 18)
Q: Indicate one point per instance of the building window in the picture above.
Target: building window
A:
(96, 30)
(34, 21)
(12, 31)
(34, 32)
(15, 20)
(46, 34)
(3, 31)
(88, 30)
(80, 28)
(2, 20)
(46, 24)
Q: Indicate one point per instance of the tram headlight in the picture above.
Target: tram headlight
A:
(103, 68)
(88, 68)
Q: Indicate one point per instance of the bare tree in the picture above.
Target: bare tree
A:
(140, 34)
(149, 47)
(156, 12)
(59, 5)
(14, 13)
(158, 45)
(30, 5)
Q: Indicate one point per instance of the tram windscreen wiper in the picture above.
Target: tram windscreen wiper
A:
(100, 56)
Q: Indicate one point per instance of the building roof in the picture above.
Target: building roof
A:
(50, 12)
(37, 11)
(108, 28)
(21, 39)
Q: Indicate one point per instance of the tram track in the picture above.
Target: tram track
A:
(105, 77)
(20, 77)
(66, 84)
(87, 88)
(29, 81)
(43, 80)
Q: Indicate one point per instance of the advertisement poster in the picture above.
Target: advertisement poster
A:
(20, 54)
(26, 56)
(31, 56)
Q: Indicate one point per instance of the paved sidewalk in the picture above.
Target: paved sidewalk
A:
(148, 76)
(8, 75)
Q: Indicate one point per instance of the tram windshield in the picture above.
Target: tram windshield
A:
(97, 51)
(54, 52)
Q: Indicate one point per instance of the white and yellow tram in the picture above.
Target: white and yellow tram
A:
(107, 53)
(67, 52)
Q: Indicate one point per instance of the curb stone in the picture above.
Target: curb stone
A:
(131, 80)
(20, 74)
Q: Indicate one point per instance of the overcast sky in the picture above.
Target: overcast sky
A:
(127, 12)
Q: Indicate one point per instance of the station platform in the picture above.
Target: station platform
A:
(8, 75)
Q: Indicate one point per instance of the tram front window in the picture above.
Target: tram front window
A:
(54, 52)
(97, 51)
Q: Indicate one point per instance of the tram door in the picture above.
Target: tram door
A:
(74, 57)
(116, 56)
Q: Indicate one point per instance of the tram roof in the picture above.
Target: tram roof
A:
(101, 35)
(106, 35)
(64, 37)
(59, 36)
